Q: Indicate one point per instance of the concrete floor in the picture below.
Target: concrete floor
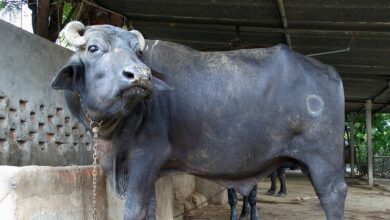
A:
(302, 202)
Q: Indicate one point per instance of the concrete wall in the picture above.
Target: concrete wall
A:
(35, 126)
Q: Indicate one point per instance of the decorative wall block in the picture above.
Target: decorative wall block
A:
(40, 133)
(3, 101)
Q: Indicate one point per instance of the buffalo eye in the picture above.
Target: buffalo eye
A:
(92, 48)
(139, 53)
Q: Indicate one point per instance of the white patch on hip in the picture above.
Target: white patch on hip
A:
(314, 105)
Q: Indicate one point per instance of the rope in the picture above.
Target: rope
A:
(197, 206)
(335, 51)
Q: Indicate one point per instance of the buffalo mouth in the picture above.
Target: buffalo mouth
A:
(135, 90)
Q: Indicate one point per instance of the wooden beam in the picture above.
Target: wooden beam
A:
(259, 25)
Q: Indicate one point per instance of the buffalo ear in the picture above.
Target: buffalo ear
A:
(68, 78)
(160, 85)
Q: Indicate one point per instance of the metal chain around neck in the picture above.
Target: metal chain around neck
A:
(95, 127)
(95, 131)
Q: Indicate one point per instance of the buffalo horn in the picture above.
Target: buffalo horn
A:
(72, 33)
(141, 39)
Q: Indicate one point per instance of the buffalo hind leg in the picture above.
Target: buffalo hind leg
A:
(329, 184)
(282, 179)
(232, 197)
(272, 189)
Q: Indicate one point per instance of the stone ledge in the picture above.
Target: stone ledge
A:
(49, 193)
(40, 192)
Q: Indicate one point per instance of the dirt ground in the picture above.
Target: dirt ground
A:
(302, 202)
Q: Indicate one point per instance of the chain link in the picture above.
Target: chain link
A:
(95, 127)
(95, 131)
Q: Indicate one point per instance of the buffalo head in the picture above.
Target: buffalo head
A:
(106, 71)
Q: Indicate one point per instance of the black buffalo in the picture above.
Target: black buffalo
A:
(232, 117)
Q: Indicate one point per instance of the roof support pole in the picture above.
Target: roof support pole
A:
(379, 94)
(284, 22)
(369, 143)
(352, 142)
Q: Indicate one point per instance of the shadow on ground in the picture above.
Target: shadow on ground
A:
(302, 202)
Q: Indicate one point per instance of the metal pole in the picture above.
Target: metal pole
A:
(284, 23)
(352, 142)
(369, 143)
(329, 52)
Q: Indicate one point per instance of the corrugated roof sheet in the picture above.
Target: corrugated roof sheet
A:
(315, 26)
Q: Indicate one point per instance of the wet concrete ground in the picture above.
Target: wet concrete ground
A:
(302, 202)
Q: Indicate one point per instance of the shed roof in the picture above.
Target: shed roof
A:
(314, 26)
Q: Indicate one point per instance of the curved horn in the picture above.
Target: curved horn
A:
(141, 39)
(72, 33)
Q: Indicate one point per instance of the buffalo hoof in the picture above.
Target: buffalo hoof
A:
(270, 192)
(281, 194)
(244, 215)
(254, 215)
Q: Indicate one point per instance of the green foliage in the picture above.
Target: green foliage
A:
(68, 11)
(380, 137)
(11, 6)
(68, 7)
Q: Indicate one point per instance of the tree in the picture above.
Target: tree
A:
(50, 16)
(380, 137)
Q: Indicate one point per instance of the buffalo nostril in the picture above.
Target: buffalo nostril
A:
(128, 74)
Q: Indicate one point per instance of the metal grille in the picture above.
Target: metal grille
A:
(382, 167)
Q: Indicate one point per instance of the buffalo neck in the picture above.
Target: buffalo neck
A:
(109, 125)
(139, 118)
(162, 56)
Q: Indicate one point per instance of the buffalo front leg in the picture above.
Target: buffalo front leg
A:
(245, 207)
(252, 202)
(143, 168)
(152, 206)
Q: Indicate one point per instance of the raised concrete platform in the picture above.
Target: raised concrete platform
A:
(36, 192)
(46, 193)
